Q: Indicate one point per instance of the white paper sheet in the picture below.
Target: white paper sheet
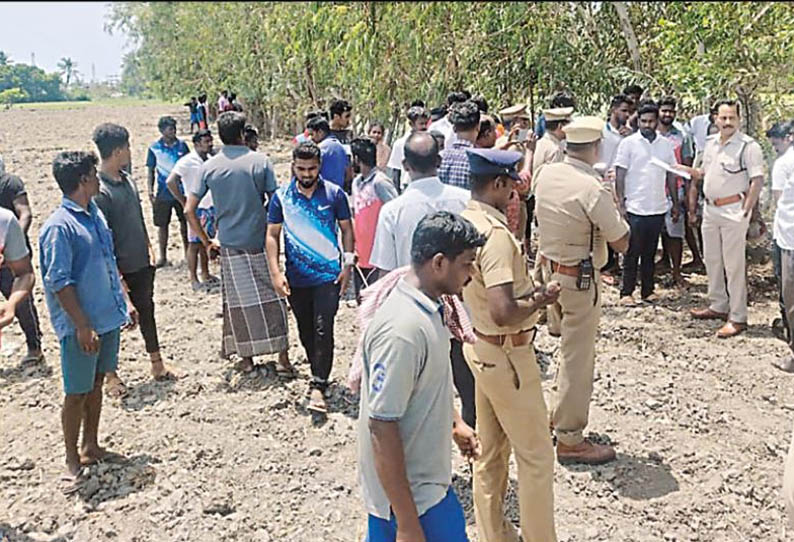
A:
(667, 167)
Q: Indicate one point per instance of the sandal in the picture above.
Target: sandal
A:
(32, 360)
(317, 403)
(71, 484)
(286, 372)
(116, 390)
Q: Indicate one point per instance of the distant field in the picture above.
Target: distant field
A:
(110, 102)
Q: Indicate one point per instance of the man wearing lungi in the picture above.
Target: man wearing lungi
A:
(254, 315)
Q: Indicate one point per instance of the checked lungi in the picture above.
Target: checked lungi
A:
(254, 316)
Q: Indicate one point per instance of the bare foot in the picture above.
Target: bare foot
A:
(161, 371)
(92, 454)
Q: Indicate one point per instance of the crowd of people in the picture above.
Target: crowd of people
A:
(436, 233)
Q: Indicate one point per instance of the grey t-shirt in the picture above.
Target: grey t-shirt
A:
(239, 179)
(120, 202)
(12, 241)
(407, 378)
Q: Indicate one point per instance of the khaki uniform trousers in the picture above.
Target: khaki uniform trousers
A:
(788, 484)
(553, 311)
(724, 239)
(511, 412)
(580, 311)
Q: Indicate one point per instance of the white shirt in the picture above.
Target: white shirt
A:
(610, 139)
(397, 156)
(445, 127)
(188, 168)
(699, 127)
(645, 183)
(782, 169)
(399, 217)
(783, 179)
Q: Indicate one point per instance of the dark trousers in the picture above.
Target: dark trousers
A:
(464, 382)
(530, 218)
(612, 261)
(369, 274)
(315, 309)
(141, 285)
(26, 311)
(779, 277)
(644, 239)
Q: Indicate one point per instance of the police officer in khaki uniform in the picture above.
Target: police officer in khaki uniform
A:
(551, 147)
(577, 217)
(511, 411)
(732, 176)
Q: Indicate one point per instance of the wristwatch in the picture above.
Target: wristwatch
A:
(348, 259)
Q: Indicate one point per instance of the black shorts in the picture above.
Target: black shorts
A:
(161, 209)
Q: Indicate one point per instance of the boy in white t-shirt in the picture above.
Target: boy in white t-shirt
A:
(187, 170)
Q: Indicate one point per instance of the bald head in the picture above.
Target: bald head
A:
(421, 155)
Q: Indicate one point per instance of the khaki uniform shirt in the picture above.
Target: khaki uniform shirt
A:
(500, 261)
(571, 201)
(727, 169)
(548, 150)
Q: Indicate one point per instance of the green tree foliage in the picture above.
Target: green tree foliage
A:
(68, 68)
(285, 58)
(35, 83)
(10, 96)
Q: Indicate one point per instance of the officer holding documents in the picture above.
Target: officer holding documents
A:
(511, 411)
(577, 218)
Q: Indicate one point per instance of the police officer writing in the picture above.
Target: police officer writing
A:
(511, 411)
(732, 175)
(577, 218)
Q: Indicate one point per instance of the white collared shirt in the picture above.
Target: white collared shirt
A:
(783, 180)
(445, 127)
(645, 183)
(610, 139)
(399, 217)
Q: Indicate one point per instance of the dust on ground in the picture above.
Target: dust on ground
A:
(701, 426)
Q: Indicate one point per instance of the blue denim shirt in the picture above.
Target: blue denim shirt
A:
(76, 249)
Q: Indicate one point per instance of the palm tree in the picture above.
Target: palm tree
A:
(68, 68)
(5, 60)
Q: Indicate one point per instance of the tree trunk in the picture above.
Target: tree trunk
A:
(629, 35)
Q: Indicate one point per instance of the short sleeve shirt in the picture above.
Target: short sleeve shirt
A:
(11, 187)
(610, 139)
(162, 158)
(311, 245)
(120, 204)
(334, 161)
(570, 199)
(645, 183)
(500, 261)
(13, 246)
(189, 170)
(239, 180)
(783, 169)
(407, 379)
(548, 150)
(783, 180)
(729, 167)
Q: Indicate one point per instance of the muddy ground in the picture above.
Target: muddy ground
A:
(701, 426)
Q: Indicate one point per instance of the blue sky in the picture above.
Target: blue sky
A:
(53, 30)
